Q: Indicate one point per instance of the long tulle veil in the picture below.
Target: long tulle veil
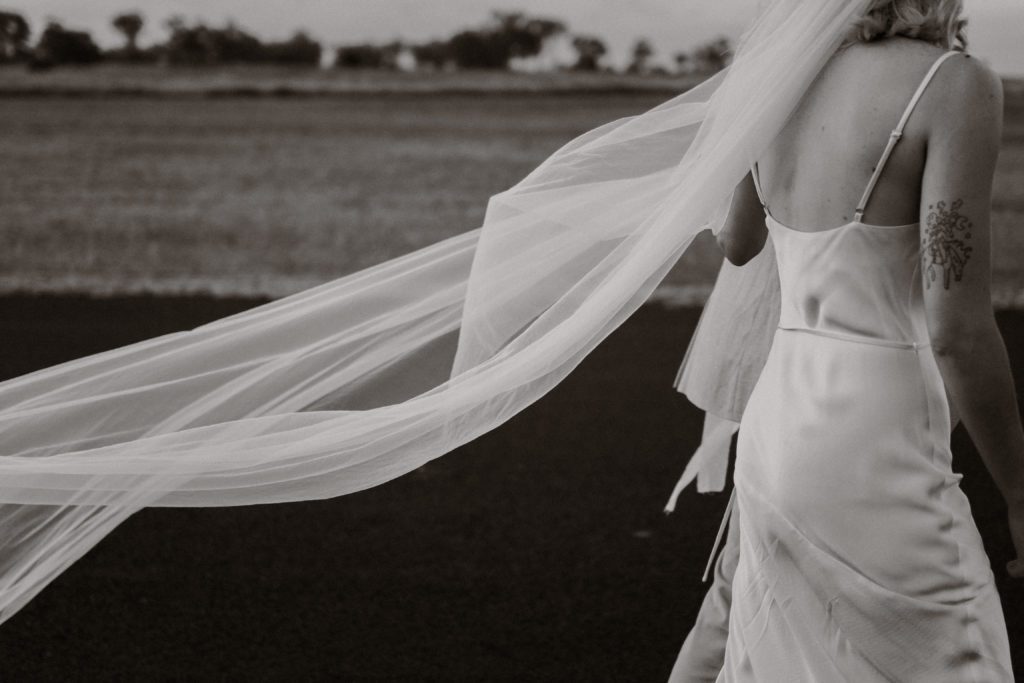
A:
(358, 381)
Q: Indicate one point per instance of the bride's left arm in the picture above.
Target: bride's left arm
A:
(744, 234)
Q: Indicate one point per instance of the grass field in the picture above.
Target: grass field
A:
(255, 80)
(264, 196)
(259, 196)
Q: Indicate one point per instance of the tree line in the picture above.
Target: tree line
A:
(186, 44)
(506, 37)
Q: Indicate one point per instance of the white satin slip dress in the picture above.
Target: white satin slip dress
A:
(859, 558)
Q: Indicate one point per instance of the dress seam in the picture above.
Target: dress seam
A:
(972, 625)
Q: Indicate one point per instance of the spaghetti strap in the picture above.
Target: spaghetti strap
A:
(897, 133)
(757, 188)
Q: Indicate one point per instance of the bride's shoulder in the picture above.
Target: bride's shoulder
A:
(898, 63)
(967, 87)
(966, 75)
(964, 106)
(963, 88)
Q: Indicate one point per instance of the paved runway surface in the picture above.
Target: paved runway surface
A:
(536, 553)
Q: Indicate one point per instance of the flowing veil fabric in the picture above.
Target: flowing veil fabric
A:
(358, 381)
(725, 357)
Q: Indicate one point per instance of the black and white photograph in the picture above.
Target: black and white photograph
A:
(715, 310)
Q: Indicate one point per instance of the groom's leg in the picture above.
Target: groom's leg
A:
(703, 652)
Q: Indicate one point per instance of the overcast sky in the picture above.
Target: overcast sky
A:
(672, 25)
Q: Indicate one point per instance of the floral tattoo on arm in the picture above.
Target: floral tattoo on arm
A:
(944, 248)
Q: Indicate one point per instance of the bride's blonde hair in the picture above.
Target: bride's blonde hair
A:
(935, 21)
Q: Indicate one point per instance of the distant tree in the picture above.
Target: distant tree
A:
(129, 25)
(479, 50)
(683, 62)
(58, 45)
(642, 53)
(392, 54)
(714, 56)
(299, 50)
(525, 36)
(14, 35)
(199, 45)
(507, 36)
(232, 45)
(589, 52)
(188, 45)
(368, 56)
(436, 54)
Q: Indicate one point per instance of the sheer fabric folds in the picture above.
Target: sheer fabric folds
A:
(725, 357)
(356, 382)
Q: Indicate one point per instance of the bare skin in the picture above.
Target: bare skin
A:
(941, 176)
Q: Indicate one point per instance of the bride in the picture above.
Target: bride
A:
(852, 554)
(856, 554)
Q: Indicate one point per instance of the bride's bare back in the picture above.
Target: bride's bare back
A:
(816, 170)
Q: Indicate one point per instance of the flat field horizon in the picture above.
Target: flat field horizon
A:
(197, 183)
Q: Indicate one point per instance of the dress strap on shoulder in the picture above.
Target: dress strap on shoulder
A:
(758, 188)
(897, 133)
